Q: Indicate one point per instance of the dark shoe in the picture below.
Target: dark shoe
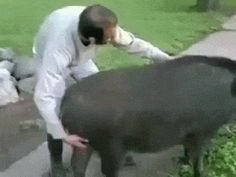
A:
(129, 161)
(57, 170)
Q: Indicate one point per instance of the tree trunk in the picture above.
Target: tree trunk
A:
(205, 5)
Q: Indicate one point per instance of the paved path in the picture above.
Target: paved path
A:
(36, 163)
(15, 143)
(222, 43)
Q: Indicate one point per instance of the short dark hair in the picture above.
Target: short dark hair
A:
(93, 20)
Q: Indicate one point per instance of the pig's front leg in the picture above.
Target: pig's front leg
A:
(79, 160)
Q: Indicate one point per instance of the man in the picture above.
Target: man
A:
(65, 46)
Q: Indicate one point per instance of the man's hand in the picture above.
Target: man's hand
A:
(76, 141)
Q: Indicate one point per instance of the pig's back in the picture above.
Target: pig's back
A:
(180, 95)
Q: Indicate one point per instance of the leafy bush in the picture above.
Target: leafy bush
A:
(220, 160)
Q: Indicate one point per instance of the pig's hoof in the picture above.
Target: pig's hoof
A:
(129, 161)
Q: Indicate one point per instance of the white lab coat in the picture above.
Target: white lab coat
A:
(59, 53)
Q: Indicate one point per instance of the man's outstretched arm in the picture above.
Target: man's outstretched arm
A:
(137, 46)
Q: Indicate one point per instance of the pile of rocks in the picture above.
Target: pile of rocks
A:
(15, 72)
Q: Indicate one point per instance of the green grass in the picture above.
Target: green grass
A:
(167, 24)
(229, 6)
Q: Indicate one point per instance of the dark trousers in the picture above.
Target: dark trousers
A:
(55, 148)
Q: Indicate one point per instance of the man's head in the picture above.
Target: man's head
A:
(97, 22)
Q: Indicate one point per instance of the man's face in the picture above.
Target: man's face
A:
(109, 34)
(108, 37)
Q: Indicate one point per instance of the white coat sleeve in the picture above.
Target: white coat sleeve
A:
(50, 89)
(136, 46)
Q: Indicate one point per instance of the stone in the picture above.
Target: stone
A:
(31, 124)
(8, 65)
(8, 92)
(24, 67)
(7, 54)
(27, 84)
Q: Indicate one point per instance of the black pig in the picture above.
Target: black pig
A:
(150, 108)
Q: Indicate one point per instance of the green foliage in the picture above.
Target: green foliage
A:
(185, 171)
(167, 24)
(220, 160)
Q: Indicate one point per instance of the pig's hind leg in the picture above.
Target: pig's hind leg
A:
(195, 145)
(111, 157)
